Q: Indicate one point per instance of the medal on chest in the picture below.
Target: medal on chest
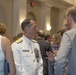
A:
(36, 54)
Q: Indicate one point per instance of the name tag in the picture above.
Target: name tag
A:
(26, 53)
(25, 50)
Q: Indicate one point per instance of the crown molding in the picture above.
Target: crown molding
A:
(61, 4)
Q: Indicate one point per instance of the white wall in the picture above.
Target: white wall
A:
(6, 9)
(70, 1)
(19, 14)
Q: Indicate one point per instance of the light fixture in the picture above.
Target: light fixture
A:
(48, 27)
(21, 20)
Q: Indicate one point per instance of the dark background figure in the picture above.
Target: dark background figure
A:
(48, 38)
(19, 35)
(44, 46)
(50, 63)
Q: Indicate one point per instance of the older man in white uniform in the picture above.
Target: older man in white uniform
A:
(26, 51)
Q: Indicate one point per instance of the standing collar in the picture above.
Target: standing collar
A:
(26, 39)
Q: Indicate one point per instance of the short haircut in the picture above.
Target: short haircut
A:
(26, 23)
(72, 13)
(47, 36)
(2, 28)
(41, 33)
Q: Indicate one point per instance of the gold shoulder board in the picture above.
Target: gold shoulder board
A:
(19, 41)
(34, 41)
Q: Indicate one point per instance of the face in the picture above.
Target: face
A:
(53, 39)
(33, 28)
(64, 27)
(49, 39)
(69, 21)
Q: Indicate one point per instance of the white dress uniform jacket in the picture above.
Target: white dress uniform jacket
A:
(27, 57)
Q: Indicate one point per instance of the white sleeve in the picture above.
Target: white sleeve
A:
(62, 56)
(17, 58)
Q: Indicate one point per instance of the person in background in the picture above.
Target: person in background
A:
(44, 46)
(48, 38)
(66, 57)
(65, 26)
(5, 53)
(14, 38)
(56, 39)
(2, 29)
(26, 51)
(19, 35)
(61, 32)
(50, 63)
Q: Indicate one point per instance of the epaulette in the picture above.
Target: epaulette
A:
(19, 41)
(34, 41)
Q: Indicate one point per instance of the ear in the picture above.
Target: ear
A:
(70, 17)
(26, 28)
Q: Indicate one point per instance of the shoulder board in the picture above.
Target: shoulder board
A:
(34, 41)
(19, 41)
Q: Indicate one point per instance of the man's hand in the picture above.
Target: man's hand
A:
(50, 56)
(55, 52)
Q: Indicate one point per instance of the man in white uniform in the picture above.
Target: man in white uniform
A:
(26, 51)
